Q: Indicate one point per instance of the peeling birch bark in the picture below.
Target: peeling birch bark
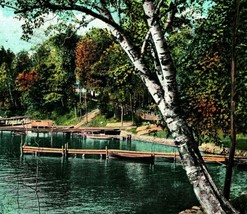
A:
(206, 191)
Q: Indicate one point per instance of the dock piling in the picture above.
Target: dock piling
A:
(175, 159)
(106, 152)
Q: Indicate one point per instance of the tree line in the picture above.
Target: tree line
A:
(40, 82)
(43, 82)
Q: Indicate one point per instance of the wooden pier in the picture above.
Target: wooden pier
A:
(62, 129)
(108, 153)
(14, 121)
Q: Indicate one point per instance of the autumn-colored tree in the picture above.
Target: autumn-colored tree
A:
(202, 54)
(25, 81)
(88, 51)
(207, 98)
(85, 57)
(49, 83)
(112, 81)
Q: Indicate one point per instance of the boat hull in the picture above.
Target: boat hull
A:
(145, 158)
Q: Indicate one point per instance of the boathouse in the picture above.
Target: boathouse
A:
(43, 124)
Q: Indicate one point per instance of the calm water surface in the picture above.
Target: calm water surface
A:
(93, 185)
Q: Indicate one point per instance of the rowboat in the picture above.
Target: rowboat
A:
(146, 158)
(102, 136)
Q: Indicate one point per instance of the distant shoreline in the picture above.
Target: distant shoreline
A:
(151, 139)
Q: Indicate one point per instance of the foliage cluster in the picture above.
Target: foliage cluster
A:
(43, 84)
(203, 60)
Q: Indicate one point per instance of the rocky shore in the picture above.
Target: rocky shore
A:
(147, 138)
(205, 147)
(213, 149)
(193, 210)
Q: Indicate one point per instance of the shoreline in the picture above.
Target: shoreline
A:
(205, 147)
(150, 139)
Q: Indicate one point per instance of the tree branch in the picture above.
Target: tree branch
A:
(145, 42)
(79, 8)
(171, 15)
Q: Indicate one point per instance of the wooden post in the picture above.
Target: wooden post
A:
(129, 137)
(51, 139)
(62, 151)
(21, 148)
(66, 151)
(175, 158)
(106, 152)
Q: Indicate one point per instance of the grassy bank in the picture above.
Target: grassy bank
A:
(102, 121)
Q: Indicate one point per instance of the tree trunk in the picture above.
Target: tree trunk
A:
(228, 178)
(122, 114)
(206, 191)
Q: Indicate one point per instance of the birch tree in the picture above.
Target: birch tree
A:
(159, 77)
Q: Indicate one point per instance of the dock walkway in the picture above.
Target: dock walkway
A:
(65, 152)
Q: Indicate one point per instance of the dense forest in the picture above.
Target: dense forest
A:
(71, 73)
(55, 77)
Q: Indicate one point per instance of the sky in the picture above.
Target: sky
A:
(11, 31)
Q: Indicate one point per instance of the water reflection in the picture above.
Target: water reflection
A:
(93, 185)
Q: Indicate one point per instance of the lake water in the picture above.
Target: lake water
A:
(92, 185)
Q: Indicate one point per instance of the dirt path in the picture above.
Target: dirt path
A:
(87, 118)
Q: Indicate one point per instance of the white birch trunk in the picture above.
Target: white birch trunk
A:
(206, 191)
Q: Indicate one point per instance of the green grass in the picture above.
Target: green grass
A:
(241, 142)
(66, 120)
(99, 120)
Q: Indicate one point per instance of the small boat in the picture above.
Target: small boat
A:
(102, 136)
(146, 158)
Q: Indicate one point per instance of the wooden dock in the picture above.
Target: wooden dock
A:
(65, 149)
(62, 129)
(108, 153)
(13, 121)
